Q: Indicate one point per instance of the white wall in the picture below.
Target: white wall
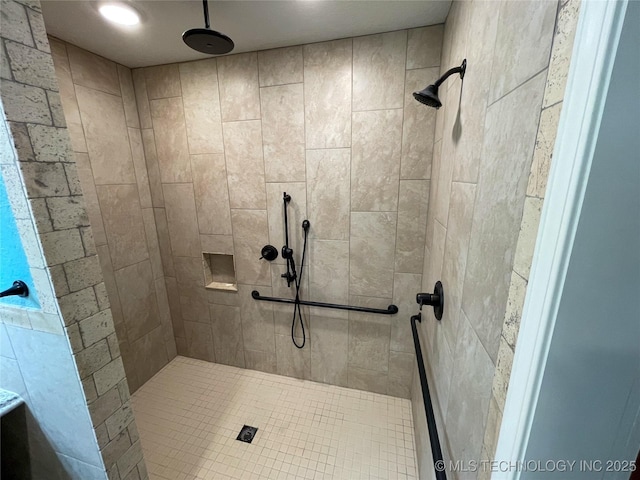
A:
(588, 407)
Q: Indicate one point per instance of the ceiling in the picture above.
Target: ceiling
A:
(253, 25)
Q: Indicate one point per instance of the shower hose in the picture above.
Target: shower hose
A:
(297, 310)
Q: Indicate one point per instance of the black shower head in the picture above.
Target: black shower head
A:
(429, 96)
(206, 40)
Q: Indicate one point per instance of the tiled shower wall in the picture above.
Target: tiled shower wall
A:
(494, 134)
(99, 106)
(335, 126)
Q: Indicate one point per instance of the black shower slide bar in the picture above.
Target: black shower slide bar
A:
(391, 309)
(436, 450)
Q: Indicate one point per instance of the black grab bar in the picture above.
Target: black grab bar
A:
(436, 451)
(391, 309)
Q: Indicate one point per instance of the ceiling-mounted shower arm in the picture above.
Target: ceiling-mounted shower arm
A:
(205, 8)
(461, 70)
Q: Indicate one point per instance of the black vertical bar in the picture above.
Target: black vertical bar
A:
(205, 7)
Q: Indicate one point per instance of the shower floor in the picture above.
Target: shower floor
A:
(191, 412)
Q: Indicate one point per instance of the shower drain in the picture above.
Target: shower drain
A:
(247, 433)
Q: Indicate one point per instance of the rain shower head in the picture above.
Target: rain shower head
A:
(429, 95)
(206, 40)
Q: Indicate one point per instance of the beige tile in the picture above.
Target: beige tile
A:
(217, 244)
(513, 313)
(96, 327)
(424, 47)
(329, 349)
(436, 259)
(153, 169)
(105, 130)
(510, 136)
(290, 360)
(262, 361)
(527, 237)
(110, 283)
(455, 255)
(494, 420)
(372, 247)
(369, 343)
(329, 274)
(68, 95)
(128, 96)
(66, 212)
(90, 198)
(174, 306)
(62, 246)
(201, 106)
(57, 113)
(142, 99)
(50, 144)
(470, 395)
(250, 234)
(283, 132)
(123, 224)
(149, 354)
(226, 325)
(401, 366)
(93, 71)
(328, 197)
(43, 180)
(15, 24)
(171, 140)
(164, 241)
(162, 81)
(136, 290)
(561, 52)
(258, 330)
(199, 341)
(413, 203)
(239, 90)
(82, 273)
(140, 168)
(211, 194)
(525, 31)
(418, 127)
(368, 380)
(182, 219)
(194, 309)
(379, 70)
(543, 151)
(375, 163)
(245, 165)
(280, 66)
(23, 103)
(296, 212)
(31, 66)
(327, 93)
(405, 288)
(502, 373)
(151, 235)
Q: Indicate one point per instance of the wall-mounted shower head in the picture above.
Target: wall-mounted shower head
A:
(206, 40)
(429, 95)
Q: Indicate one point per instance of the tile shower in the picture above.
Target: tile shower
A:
(179, 160)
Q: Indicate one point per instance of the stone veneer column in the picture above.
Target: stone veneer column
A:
(41, 176)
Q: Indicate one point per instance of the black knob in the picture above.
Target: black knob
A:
(435, 299)
(269, 253)
(19, 288)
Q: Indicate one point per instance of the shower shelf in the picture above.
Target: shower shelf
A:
(391, 309)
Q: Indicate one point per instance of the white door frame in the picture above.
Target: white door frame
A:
(595, 46)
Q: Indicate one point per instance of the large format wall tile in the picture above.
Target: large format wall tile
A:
(424, 47)
(199, 341)
(105, 131)
(329, 273)
(199, 82)
(123, 224)
(525, 30)
(239, 90)
(171, 139)
(510, 132)
(92, 71)
(327, 94)
(162, 81)
(250, 234)
(182, 219)
(329, 350)
(369, 343)
(418, 127)
(149, 355)
(413, 203)
(128, 97)
(137, 295)
(280, 66)
(375, 162)
(140, 167)
(258, 330)
(372, 253)
(328, 196)
(226, 325)
(283, 132)
(212, 194)
(379, 70)
(245, 165)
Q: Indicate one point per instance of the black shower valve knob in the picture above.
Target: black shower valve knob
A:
(269, 253)
(435, 299)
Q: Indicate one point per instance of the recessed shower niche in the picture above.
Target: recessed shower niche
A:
(219, 272)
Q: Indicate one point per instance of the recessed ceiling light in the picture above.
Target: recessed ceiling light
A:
(120, 14)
